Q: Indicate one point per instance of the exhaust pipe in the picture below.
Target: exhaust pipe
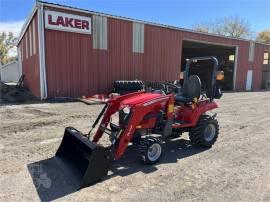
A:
(86, 162)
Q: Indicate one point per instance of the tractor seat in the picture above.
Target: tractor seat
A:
(191, 89)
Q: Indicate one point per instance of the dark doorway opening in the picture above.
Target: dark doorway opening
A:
(226, 56)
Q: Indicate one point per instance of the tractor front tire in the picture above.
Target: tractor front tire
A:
(205, 133)
(150, 149)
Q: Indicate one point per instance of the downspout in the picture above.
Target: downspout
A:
(42, 64)
(235, 68)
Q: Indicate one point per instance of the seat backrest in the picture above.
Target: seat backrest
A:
(192, 87)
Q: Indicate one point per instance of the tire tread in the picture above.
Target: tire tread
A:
(196, 133)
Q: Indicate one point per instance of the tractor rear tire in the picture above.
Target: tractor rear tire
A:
(150, 149)
(205, 133)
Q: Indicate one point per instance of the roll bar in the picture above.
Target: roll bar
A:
(215, 69)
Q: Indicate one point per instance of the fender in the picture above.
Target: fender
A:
(192, 115)
(202, 108)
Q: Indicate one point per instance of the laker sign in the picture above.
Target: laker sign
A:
(67, 22)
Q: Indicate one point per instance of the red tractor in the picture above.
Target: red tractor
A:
(146, 120)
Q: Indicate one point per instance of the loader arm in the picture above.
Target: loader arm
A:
(136, 120)
(113, 106)
(127, 135)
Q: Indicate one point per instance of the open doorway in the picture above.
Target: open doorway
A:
(226, 56)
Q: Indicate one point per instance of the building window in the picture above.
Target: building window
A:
(231, 58)
(251, 51)
(138, 38)
(266, 58)
(99, 32)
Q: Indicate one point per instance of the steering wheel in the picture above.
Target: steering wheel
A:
(168, 86)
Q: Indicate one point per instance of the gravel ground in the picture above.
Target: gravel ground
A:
(236, 168)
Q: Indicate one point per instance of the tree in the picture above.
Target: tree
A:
(202, 28)
(229, 26)
(7, 41)
(263, 36)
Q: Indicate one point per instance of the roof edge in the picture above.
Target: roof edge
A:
(5, 65)
(141, 21)
(43, 3)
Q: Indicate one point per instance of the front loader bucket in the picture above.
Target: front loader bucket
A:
(86, 162)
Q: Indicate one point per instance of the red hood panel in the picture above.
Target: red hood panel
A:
(137, 99)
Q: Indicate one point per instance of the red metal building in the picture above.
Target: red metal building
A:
(67, 51)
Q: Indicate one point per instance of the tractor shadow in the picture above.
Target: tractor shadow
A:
(173, 151)
(52, 182)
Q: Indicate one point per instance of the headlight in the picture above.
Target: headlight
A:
(126, 110)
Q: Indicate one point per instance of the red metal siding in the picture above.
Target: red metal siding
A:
(242, 66)
(74, 68)
(69, 64)
(162, 56)
(30, 65)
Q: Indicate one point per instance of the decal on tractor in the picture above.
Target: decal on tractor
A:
(67, 22)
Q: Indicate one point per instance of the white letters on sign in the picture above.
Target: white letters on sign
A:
(67, 22)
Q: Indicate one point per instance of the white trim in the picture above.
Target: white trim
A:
(43, 55)
(42, 70)
(40, 50)
(235, 67)
(208, 42)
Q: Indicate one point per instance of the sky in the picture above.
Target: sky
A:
(179, 13)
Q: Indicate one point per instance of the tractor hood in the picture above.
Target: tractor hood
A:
(141, 98)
